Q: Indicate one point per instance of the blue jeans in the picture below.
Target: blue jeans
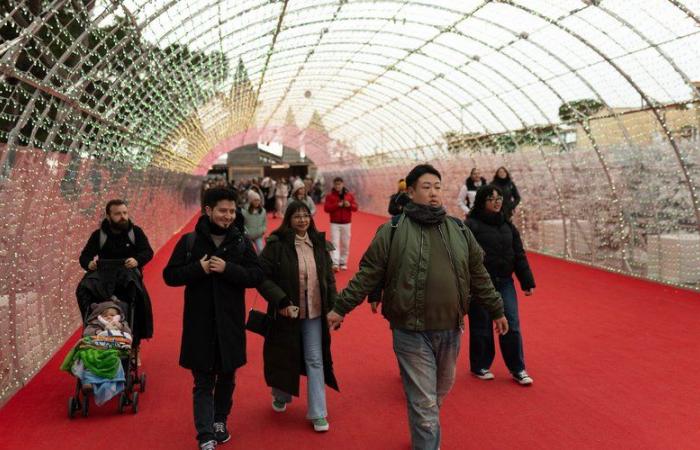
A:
(427, 360)
(481, 347)
(313, 359)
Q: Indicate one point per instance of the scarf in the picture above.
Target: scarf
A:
(424, 214)
(217, 230)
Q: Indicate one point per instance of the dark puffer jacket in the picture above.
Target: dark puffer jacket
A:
(503, 248)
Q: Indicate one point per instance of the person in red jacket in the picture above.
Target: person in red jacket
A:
(340, 203)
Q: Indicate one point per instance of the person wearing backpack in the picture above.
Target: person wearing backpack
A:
(428, 264)
(465, 198)
(215, 263)
(117, 238)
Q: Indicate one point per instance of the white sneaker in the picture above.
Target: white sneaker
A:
(343, 267)
(484, 374)
(209, 445)
(523, 378)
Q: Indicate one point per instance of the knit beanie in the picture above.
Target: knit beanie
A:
(298, 184)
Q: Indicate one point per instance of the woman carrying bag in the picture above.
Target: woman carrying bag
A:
(300, 290)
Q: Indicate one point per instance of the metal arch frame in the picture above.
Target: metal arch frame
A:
(550, 20)
(301, 67)
(655, 109)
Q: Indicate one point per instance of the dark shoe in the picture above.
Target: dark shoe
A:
(208, 445)
(523, 378)
(484, 374)
(278, 405)
(221, 434)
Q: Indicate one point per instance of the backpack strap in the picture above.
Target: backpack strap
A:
(189, 245)
(394, 225)
(103, 237)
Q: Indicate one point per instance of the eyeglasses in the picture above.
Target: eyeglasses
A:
(301, 216)
(494, 199)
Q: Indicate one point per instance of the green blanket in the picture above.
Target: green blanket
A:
(102, 363)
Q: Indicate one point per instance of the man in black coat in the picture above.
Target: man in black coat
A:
(118, 238)
(215, 263)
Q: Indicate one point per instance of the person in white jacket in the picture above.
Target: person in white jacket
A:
(467, 194)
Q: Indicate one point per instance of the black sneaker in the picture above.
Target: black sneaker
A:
(484, 374)
(221, 434)
(523, 378)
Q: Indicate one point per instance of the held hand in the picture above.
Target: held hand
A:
(205, 264)
(530, 292)
(334, 320)
(346, 203)
(217, 264)
(501, 326)
(341, 204)
(290, 312)
(375, 307)
(131, 263)
(92, 265)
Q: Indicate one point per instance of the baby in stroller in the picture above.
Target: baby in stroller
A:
(96, 360)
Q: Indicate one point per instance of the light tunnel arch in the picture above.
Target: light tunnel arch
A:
(135, 98)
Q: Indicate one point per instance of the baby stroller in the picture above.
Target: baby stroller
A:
(110, 280)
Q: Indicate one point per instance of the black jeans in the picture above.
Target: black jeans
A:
(481, 345)
(212, 397)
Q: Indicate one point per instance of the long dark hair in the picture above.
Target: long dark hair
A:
(479, 207)
(293, 207)
(501, 180)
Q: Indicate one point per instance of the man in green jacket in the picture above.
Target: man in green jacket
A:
(429, 265)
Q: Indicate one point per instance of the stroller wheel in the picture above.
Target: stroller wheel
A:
(73, 406)
(142, 383)
(86, 403)
(122, 402)
(135, 402)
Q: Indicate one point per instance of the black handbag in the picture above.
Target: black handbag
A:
(258, 322)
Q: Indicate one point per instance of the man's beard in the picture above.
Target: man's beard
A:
(121, 225)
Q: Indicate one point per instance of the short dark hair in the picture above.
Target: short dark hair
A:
(114, 202)
(337, 179)
(215, 195)
(419, 171)
(480, 200)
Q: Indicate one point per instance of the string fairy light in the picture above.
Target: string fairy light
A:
(594, 111)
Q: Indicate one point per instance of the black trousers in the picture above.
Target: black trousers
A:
(212, 397)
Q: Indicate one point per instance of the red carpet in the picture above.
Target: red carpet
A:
(616, 363)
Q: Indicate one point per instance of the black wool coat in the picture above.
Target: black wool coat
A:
(503, 249)
(283, 353)
(214, 314)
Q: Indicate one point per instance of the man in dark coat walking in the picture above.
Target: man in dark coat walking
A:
(215, 263)
(118, 239)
